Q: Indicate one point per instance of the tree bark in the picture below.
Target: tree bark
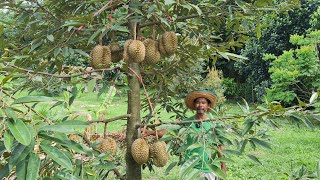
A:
(133, 170)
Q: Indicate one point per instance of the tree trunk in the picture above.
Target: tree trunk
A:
(133, 170)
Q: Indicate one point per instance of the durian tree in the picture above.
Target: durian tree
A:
(42, 34)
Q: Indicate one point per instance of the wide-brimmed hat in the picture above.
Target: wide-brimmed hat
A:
(192, 96)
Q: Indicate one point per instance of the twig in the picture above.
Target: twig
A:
(116, 171)
(122, 117)
(104, 7)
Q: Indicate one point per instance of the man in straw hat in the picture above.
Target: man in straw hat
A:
(202, 102)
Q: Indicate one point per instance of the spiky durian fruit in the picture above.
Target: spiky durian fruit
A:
(100, 57)
(168, 43)
(96, 57)
(107, 145)
(152, 51)
(106, 59)
(136, 51)
(116, 54)
(159, 154)
(125, 49)
(140, 151)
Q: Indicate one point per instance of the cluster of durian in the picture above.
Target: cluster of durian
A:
(142, 151)
(102, 57)
(148, 51)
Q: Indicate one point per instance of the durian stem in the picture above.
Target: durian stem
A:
(135, 31)
(105, 130)
(100, 39)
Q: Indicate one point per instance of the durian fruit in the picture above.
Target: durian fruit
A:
(168, 43)
(100, 57)
(140, 151)
(152, 51)
(107, 145)
(116, 55)
(125, 49)
(159, 154)
(96, 56)
(106, 59)
(136, 51)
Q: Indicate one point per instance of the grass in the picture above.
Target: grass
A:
(292, 147)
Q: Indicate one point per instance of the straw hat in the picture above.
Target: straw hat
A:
(191, 97)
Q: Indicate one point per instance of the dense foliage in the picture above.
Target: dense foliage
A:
(253, 72)
(295, 73)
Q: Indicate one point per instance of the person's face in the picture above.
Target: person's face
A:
(201, 105)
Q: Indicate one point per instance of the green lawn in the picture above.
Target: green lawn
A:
(292, 147)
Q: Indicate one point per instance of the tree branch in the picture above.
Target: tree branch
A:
(122, 117)
(60, 76)
(178, 19)
(188, 122)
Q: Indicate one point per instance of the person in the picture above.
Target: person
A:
(202, 102)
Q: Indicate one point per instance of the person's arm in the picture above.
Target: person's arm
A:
(160, 132)
(223, 164)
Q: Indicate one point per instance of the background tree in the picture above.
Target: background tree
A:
(251, 75)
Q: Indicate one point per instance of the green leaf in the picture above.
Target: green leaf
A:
(234, 152)
(1, 29)
(120, 28)
(93, 36)
(10, 113)
(4, 172)
(50, 37)
(33, 166)
(167, 2)
(32, 99)
(79, 51)
(66, 126)
(261, 143)
(56, 51)
(188, 165)
(21, 170)
(74, 95)
(313, 97)
(247, 128)
(243, 145)
(217, 170)
(20, 131)
(19, 153)
(35, 46)
(318, 170)
(57, 155)
(254, 158)
(170, 167)
(8, 140)
(91, 85)
(63, 140)
(224, 55)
